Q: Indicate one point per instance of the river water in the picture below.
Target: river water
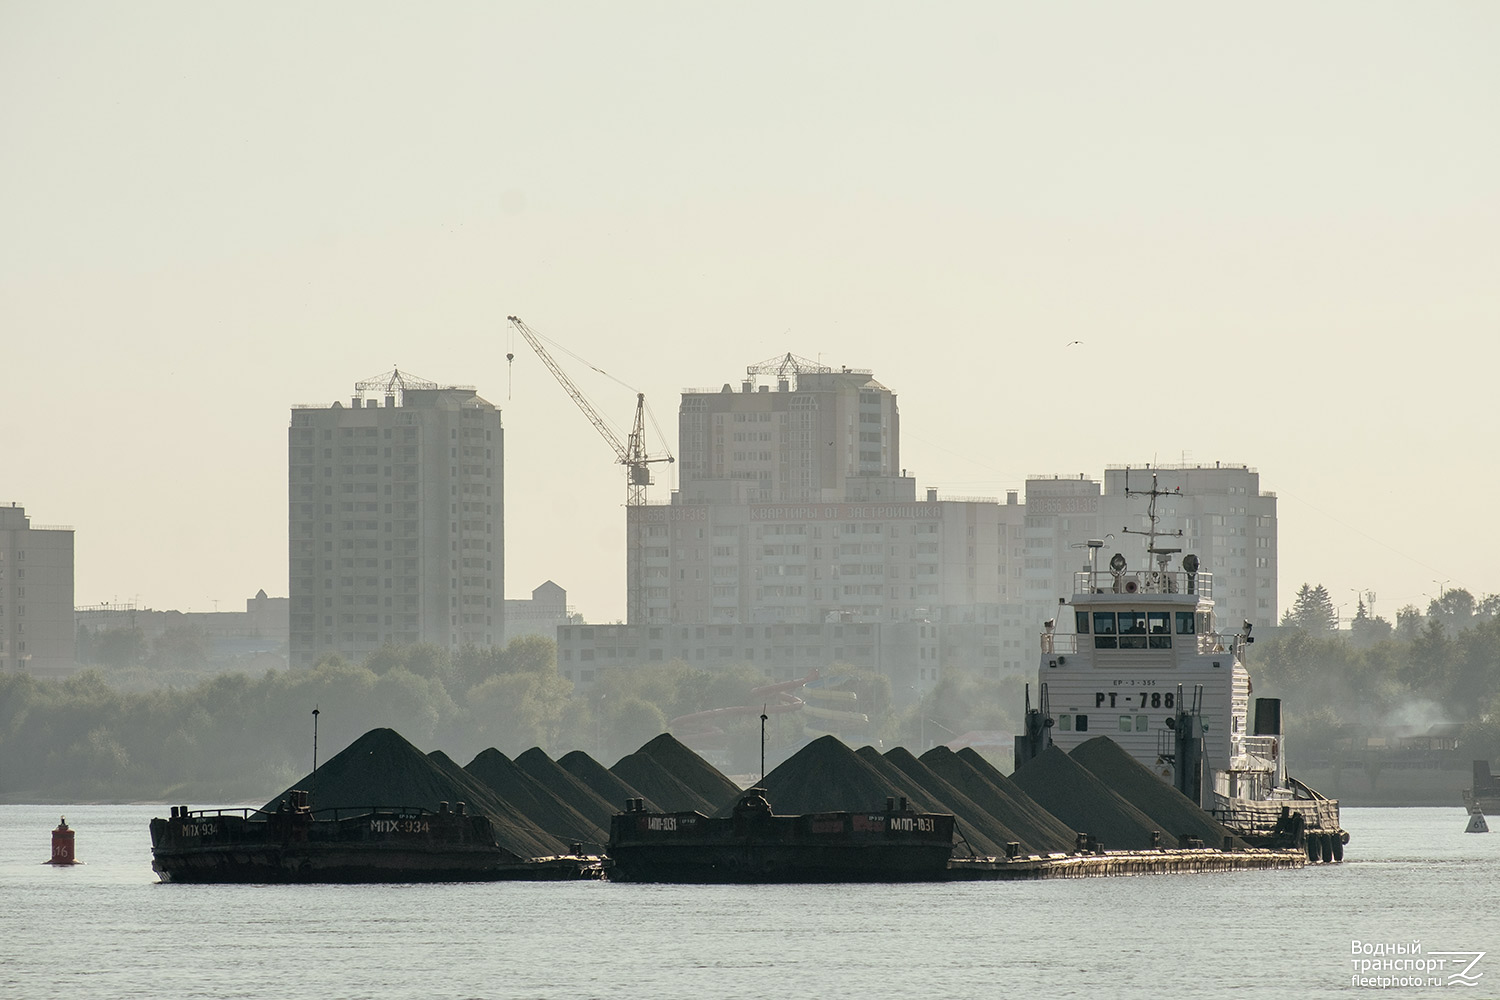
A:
(108, 929)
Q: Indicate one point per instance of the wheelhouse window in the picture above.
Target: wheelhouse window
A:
(1125, 723)
(1104, 630)
(1132, 629)
(1065, 723)
(1160, 625)
(1081, 724)
(1081, 620)
(1185, 620)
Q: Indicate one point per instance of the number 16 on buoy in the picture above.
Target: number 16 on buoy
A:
(62, 845)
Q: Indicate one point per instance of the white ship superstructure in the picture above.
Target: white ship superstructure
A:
(1137, 655)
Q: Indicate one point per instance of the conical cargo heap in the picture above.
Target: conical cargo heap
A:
(658, 783)
(1038, 831)
(604, 782)
(536, 801)
(588, 803)
(825, 776)
(382, 769)
(692, 770)
(975, 818)
(969, 838)
(1070, 792)
(1174, 813)
(916, 797)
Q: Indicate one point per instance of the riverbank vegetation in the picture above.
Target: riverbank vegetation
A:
(109, 734)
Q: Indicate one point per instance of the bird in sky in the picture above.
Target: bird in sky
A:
(1072, 342)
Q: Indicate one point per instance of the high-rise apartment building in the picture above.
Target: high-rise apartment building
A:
(795, 529)
(823, 435)
(902, 561)
(796, 541)
(396, 520)
(1224, 518)
(36, 595)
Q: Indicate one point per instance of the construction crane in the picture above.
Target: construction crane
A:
(630, 453)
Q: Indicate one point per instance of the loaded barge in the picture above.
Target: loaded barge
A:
(895, 844)
(344, 845)
(753, 844)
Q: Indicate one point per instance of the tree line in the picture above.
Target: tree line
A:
(103, 736)
(1383, 678)
(149, 724)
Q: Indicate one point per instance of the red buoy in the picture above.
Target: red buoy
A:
(62, 845)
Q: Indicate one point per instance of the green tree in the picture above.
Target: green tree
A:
(514, 712)
(632, 723)
(1366, 629)
(1312, 609)
(473, 665)
(530, 654)
(1454, 608)
(1408, 622)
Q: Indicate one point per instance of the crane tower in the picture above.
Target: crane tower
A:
(630, 453)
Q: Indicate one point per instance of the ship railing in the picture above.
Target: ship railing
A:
(1067, 643)
(1143, 581)
(1052, 642)
(1264, 747)
(334, 813)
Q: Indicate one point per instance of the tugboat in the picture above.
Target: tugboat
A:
(1148, 666)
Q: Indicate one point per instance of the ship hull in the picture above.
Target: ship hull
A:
(372, 846)
(822, 847)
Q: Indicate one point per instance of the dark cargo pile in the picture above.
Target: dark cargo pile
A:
(662, 786)
(1174, 813)
(916, 798)
(1037, 830)
(825, 776)
(1070, 792)
(539, 803)
(382, 769)
(540, 807)
(969, 837)
(589, 804)
(695, 772)
(986, 833)
(604, 782)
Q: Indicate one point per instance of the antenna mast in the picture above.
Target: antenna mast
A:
(1161, 555)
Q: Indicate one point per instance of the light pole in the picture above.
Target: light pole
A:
(312, 792)
(763, 718)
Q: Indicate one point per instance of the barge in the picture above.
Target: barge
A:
(1179, 861)
(753, 844)
(295, 843)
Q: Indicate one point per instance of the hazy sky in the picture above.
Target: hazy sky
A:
(1273, 226)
